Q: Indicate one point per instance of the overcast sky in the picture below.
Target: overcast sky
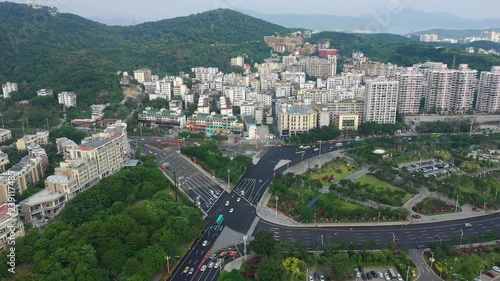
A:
(161, 9)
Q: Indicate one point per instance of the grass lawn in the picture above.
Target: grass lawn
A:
(434, 206)
(330, 169)
(382, 185)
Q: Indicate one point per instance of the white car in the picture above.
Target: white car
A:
(216, 265)
(203, 267)
(204, 243)
(496, 268)
(468, 225)
(311, 278)
(386, 276)
(227, 203)
(239, 199)
(322, 278)
(211, 264)
(398, 276)
(231, 210)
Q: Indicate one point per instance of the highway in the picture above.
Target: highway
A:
(247, 193)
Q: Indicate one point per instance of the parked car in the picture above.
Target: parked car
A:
(496, 268)
(222, 254)
(490, 274)
(361, 269)
(233, 253)
(380, 275)
(387, 277)
(321, 278)
(227, 203)
(416, 216)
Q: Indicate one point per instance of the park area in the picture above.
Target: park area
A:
(332, 172)
(434, 206)
(369, 187)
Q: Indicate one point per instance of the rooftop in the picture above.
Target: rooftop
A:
(41, 197)
(58, 179)
(300, 110)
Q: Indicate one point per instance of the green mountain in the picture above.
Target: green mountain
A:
(67, 52)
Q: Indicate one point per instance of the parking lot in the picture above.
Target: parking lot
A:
(378, 273)
(431, 167)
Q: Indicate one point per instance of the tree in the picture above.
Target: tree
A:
(271, 269)
(233, 275)
(294, 267)
(264, 243)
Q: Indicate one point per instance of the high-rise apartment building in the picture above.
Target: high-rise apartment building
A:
(381, 101)
(411, 89)
(488, 97)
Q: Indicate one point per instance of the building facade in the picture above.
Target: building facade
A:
(488, 97)
(67, 98)
(411, 90)
(296, 120)
(381, 101)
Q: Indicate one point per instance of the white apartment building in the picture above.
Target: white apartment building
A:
(265, 98)
(8, 88)
(293, 77)
(205, 74)
(296, 120)
(237, 61)
(163, 90)
(283, 89)
(4, 161)
(45, 93)
(411, 91)
(64, 145)
(429, 38)
(225, 106)
(488, 97)
(67, 98)
(203, 105)
(236, 94)
(24, 174)
(381, 101)
(450, 90)
(382, 69)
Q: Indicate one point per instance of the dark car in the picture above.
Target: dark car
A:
(369, 276)
(374, 274)
(363, 276)
(316, 276)
(361, 269)
(490, 274)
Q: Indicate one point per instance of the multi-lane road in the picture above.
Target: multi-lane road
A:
(240, 213)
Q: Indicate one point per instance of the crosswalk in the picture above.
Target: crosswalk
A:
(251, 189)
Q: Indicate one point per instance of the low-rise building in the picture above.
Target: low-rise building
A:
(41, 138)
(64, 145)
(45, 203)
(4, 161)
(214, 123)
(5, 135)
(11, 226)
(45, 93)
(162, 118)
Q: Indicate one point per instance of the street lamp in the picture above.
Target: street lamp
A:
(378, 220)
(320, 148)
(461, 236)
(407, 273)
(167, 258)
(322, 240)
(277, 198)
(228, 181)
(393, 238)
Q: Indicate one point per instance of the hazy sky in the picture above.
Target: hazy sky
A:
(161, 9)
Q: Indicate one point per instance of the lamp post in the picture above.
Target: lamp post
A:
(461, 236)
(456, 205)
(432, 259)
(407, 273)
(320, 148)
(167, 258)
(484, 207)
(277, 198)
(228, 180)
(322, 240)
(378, 219)
(393, 238)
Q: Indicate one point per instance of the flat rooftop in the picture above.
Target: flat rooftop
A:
(41, 197)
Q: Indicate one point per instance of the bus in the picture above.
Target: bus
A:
(219, 219)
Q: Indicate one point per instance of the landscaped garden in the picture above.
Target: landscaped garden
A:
(369, 187)
(434, 206)
(332, 172)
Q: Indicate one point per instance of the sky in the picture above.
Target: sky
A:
(151, 10)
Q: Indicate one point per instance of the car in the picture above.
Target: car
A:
(203, 267)
(204, 243)
(186, 270)
(233, 253)
(358, 274)
(300, 147)
(311, 278)
(416, 216)
(363, 276)
(322, 278)
(361, 269)
(211, 264)
(227, 203)
(368, 276)
(239, 199)
(467, 225)
(316, 275)
(496, 268)
(191, 271)
(374, 274)
(420, 246)
(387, 277)
(380, 275)
(231, 210)
(490, 274)
(216, 265)
(142, 139)
(223, 253)
(398, 276)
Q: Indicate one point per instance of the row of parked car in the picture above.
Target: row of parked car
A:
(372, 274)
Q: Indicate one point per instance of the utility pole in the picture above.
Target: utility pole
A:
(228, 181)
(277, 198)
(407, 273)
(167, 258)
(378, 219)
(245, 238)
(24, 133)
(461, 236)
(456, 205)
(320, 148)
(48, 126)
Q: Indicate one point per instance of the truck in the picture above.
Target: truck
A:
(392, 273)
